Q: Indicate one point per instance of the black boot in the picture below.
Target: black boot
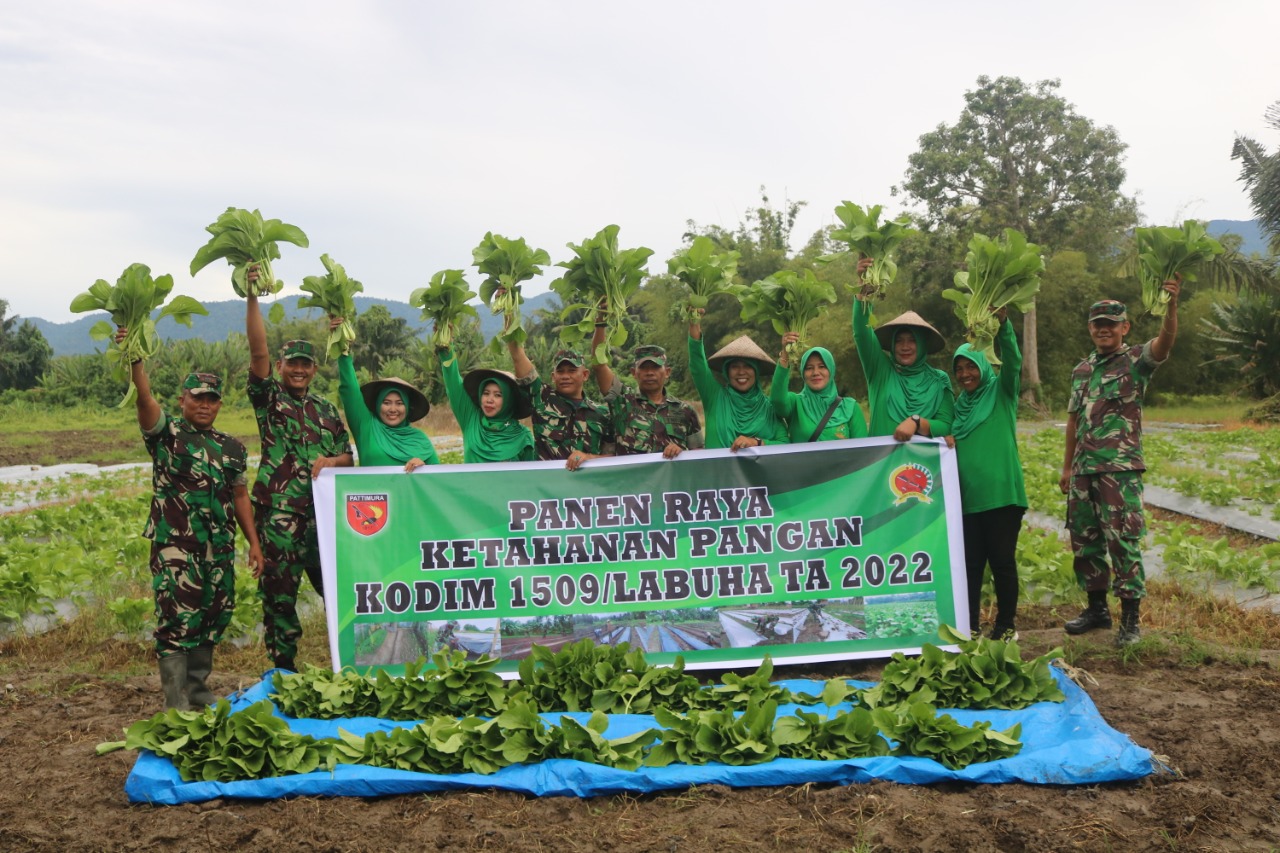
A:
(199, 666)
(1128, 634)
(173, 681)
(1095, 616)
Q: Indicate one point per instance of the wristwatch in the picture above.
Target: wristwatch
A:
(915, 419)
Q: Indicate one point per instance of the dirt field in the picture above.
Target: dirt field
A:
(1216, 722)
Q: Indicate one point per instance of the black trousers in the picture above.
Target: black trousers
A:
(991, 538)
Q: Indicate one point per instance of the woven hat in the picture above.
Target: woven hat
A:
(414, 399)
(741, 348)
(476, 378)
(934, 342)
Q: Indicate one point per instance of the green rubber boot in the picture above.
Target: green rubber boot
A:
(173, 681)
(199, 666)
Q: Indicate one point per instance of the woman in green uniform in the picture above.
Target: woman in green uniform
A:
(818, 412)
(907, 396)
(736, 412)
(992, 493)
(489, 411)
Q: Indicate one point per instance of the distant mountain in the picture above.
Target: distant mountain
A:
(227, 318)
(1254, 240)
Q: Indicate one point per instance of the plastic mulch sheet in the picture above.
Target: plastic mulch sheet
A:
(1065, 743)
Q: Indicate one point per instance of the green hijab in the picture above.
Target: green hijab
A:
(973, 408)
(403, 442)
(501, 438)
(814, 404)
(915, 389)
(743, 412)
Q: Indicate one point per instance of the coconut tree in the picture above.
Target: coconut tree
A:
(1260, 172)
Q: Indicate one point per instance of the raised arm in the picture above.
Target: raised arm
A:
(601, 371)
(1011, 358)
(865, 342)
(1162, 346)
(148, 409)
(255, 330)
(463, 407)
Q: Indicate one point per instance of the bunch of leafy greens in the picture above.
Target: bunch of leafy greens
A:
(699, 737)
(789, 301)
(600, 277)
(997, 274)
(868, 237)
(130, 302)
(840, 735)
(334, 294)
(617, 679)
(1165, 252)
(244, 238)
(705, 272)
(444, 303)
(983, 674)
(506, 263)
(920, 731)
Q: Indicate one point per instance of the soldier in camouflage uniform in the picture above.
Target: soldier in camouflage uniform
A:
(201, 492)
(647, 420)
(302, 435)
(567, 424)
(1102, 467)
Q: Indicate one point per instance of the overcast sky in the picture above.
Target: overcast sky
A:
(397, 134)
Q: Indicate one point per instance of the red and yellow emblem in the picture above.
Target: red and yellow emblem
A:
(367, 514)
(911, 481)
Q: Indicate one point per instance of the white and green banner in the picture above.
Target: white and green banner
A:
(809, 552)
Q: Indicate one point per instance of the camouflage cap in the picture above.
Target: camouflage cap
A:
(572, 356)
(297, 349)
(651, 352)
(1108, 309)
(198, 384)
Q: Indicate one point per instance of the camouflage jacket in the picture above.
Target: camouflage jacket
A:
(643, 427)
(294, 433)
(193, 474)
(1106, 397)
(562, 425)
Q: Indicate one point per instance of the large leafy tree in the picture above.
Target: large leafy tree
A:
(24, 352)
(1021, 157)
(1260, 172)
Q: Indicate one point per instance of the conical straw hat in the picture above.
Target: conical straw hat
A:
(744, 348)
(933, 338)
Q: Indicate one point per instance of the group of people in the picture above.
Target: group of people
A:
(201, 490)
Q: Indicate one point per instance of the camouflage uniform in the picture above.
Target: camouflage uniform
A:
(294, 432)
(1104, 502)
(562, 425)
(642, 426)
(192, 528)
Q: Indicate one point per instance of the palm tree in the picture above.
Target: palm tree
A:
(1260, 173)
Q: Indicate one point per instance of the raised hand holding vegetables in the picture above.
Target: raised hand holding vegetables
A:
(600, 277)
(1166, 252)
(334, 293)
(705, 272)
(244, 239)
(130, 302)
(998, 274)
(869, 238)
(507, 263)
(444, 303)
(789, 301)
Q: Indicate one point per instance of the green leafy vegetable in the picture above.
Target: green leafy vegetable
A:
(705, 272)
(1165, 252)
(868, 237)
(506, 263)
(444, 302)
(334, 294)
(996, 275)
(841, 734)
(702, 736)
(920, 731)
(602, 277)
(789, 301)
(130, 302)
(244, 238)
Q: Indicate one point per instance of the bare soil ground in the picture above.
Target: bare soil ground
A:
(1212, 713)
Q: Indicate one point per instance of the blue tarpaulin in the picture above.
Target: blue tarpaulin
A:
(1064, 743)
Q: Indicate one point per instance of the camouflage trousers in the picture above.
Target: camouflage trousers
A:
(289, 550)
(195, 595)
(1105, 519)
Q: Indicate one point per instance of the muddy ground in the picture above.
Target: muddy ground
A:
(1216, 721)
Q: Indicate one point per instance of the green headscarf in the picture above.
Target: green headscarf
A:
(501, 438)
(743, 412)
(973, 408)
(400, 443)
(814, 404)
(915, 389)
